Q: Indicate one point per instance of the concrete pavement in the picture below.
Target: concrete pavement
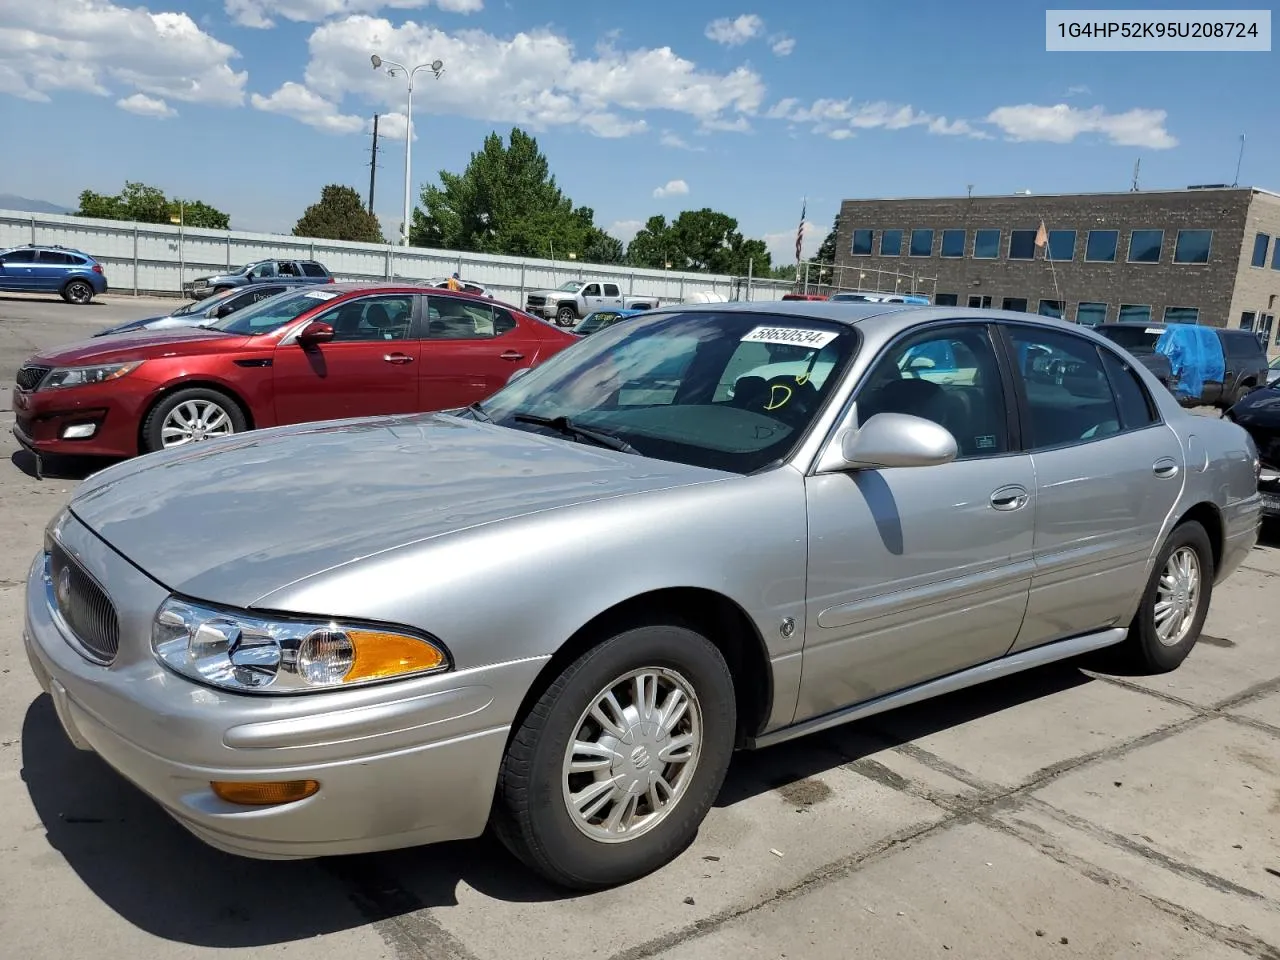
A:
(1066, 813)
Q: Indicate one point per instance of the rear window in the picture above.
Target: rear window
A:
(1241, 343)
(314, 270)
(1136, 339)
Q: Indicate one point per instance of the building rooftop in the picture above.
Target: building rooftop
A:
(1196, 188)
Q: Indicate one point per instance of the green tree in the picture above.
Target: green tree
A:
(701, 240)
(651, 245)
(340, 215)
(506, 201)
(197, 213)
(827, 252)
(147, 204)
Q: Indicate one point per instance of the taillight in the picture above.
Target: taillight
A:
(97, 268)
(331, 280)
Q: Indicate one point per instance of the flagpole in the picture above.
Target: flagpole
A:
(1048, 255)
(804, 210)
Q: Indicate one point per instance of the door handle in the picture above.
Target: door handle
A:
(398, 358)
(1165, 468)
(512, 355)
(1010, 498)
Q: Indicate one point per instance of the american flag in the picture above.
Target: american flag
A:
(800, 232)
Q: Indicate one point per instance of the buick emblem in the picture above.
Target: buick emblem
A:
(63, 587)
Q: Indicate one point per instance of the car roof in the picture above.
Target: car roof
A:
(45, 246)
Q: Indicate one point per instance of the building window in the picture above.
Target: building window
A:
(986, 244)
(1022, 244)
(862, 243)
(1052, 308)
(1101, 246)
(946, 300)
(953, 243)
(921, 243)
(1264, 330)
(981, 303)
(1134, 313)
(1014, 303)
(1246, 320)
(1275, 258)
(1193, 246)
(1181, 314)
(1260, 243)
(890, 243)
(1145, 245)
(1062, 245)
(1090, 314)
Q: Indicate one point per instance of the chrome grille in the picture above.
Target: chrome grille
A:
(536, 301)
(85, 606)
(29, 377)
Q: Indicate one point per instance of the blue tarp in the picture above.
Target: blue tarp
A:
(1195, 353)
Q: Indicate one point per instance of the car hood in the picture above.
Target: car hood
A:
(551, 293)
(232, 521)
(1260, 408)
(138, 345)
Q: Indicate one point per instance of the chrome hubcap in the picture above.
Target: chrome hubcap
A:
(1177, 596)
(634, 752)
(194, 421)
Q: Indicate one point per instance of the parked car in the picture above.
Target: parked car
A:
(345, 350)
(597, 321)
(345, 637)
(1244, 361)
(198, 313)
(260, 271)
(572, 301)
(1259, 414)
(35, 268)
(809, 297)
(854, 297)
(1140, 341)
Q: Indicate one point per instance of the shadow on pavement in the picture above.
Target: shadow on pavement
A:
(155, 875)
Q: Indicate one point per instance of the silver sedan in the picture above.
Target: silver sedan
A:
(561, 611)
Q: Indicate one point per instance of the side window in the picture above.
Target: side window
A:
(449, 318)
(1069, 398)
(20, 256)
(592, 290)
(312, 269)
(371, 318)
(53, 257)
(611, 290)
(948, 375)
(503, 322)
(289, 269)
(1136, 407)
(267, 269)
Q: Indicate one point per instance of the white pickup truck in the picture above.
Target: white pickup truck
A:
(570, 302)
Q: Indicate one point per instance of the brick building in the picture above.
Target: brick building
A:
(1206, 255)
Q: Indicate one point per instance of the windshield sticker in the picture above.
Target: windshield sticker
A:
(1153, 330)
(817, 339)
(319, 295)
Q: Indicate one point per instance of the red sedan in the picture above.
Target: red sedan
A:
(317, 353)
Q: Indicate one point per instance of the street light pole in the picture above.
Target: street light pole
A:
(436, 67)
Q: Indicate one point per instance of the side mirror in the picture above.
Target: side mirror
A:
(517, 374)
(224, 311)
(315, 332)
(897, 440)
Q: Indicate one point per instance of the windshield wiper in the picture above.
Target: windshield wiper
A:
(479, 411)
(568, 428)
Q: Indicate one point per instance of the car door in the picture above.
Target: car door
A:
(612, 295)
(16, 269)
(263, 271)
(469, 351)
(368, 369)
(592, 298)
(915, 573)
(50, 270)
(1108, 472)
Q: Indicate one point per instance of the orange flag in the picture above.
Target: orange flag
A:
(1042, 236)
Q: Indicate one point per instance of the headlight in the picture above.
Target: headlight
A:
(79, 376)
(246, 653)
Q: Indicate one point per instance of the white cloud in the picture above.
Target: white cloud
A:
(738, 124)
(673, 188)
(94, 46)
(841, 133)
(673, 140)
(391, 126)
(624, 230)
(535, 79)
(782, 244)
(1062, 124)
(839, 119)
(782, 45)
(260, 13)
(145, 106)
(735, 32)
(295, 100)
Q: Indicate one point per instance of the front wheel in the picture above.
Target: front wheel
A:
(1175, 603)
(566, 316)
(615, 766)
(190, 416)
(78, 292)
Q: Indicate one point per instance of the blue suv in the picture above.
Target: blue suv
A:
(48, 269)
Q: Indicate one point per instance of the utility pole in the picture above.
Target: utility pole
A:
(373, 162)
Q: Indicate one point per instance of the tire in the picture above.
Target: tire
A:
(220, 415)
(1241, 392)
(531, 814)
(1144, 646)
(79, 292)
(566, 316)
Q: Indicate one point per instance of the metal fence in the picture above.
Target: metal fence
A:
(149, 258)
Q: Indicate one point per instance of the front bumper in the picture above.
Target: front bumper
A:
(41, 418)
(399, 764)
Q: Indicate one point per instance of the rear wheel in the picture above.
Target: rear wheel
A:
(615, 766)
(1175, 602)
(1241, 392)
(191, 416)
(78, 292)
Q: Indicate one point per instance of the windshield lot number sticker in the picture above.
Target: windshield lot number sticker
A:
(319, 295)
(817, 339)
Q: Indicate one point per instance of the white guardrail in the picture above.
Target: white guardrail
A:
(150, 258)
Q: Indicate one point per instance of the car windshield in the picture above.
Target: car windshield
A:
(1136, 339)
(597, 321)
(200, 306)
(272, 313)
(570, 286)
(731, 391)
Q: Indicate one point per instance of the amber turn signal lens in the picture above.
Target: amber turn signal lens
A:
(380, 654)
(264, 793)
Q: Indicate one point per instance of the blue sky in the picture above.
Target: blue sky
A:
(642, 108)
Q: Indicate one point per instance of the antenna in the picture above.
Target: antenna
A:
(1137, 165)
(1239, 160)
(970, 191)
